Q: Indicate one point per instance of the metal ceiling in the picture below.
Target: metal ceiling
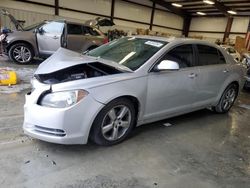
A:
(219, 8)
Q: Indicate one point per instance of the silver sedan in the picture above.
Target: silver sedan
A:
(103, 94)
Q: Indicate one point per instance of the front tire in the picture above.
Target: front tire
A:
(114, 122)
(21, 53)
(227, 99)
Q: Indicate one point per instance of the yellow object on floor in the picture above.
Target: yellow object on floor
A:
(8, 77)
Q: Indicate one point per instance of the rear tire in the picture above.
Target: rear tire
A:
(21, 53)
(227, 99)
(114, 122)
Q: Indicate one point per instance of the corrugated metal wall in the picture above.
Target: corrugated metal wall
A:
(28, 16)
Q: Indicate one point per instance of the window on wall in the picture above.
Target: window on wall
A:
(183, 55)
(208, 55)
(74, 29)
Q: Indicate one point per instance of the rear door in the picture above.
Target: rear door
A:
(75, 37)
(49, 37)
(171, 92)
(81, 37)
(213, 71)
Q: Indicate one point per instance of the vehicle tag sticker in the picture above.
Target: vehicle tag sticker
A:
(153, 43)
(131, 38)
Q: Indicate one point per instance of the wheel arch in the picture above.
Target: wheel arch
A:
(225, 86)
(133, 99)
(22, 41)
(135, 102)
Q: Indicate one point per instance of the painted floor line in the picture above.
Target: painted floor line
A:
(14, 127)
(14, 116)
(13, 141)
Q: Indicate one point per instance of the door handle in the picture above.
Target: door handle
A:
(225, 71)
(55, 37)
(192, 75)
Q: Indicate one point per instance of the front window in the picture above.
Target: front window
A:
(183, 55)
(130, 51)
(53, 27)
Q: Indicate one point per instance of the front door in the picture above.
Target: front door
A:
(171, 92)
(49, 37)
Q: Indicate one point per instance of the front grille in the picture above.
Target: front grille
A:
(49, 131)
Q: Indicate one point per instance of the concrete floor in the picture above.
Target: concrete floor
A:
(200, 149)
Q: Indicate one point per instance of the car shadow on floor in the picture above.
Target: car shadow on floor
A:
(190, 121)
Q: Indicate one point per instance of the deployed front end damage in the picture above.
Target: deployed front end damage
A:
(62, 115)
(77, 72)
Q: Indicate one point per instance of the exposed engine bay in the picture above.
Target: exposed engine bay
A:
(82, 71)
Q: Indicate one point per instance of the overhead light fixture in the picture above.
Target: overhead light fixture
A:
(201, 13)
(176, 5)
(231, 12)
(208, 2)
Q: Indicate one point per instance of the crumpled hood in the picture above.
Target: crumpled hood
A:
(64, 58)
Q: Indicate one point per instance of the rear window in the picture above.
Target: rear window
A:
(208, 55)
(74, 29)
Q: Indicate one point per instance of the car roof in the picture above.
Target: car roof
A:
(70, 22)
(177, 40)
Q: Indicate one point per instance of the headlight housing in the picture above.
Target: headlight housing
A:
(62, 99)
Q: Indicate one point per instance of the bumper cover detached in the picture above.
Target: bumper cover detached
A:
(60, 125)
(3, 47)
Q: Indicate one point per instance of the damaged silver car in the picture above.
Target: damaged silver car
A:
(44, 38)
(105, 93)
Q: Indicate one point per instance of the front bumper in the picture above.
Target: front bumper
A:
(60, 125)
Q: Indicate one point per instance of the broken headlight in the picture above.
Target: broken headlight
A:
(62, 99)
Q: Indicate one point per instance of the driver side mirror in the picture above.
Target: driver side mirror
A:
(167, 65)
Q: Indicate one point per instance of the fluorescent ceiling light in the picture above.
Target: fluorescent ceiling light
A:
(208, 2)
(176, 5)
(201, 13)
(231, 12)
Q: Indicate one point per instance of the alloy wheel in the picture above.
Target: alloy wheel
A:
(116, 122)
(22, 54)
(228, 99)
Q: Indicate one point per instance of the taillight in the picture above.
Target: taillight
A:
(105, 40)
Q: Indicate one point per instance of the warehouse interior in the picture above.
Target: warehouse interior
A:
(200, 148)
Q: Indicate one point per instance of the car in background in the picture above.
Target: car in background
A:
(105, 93)
(43, 39)
(246, 62)
(230, 50)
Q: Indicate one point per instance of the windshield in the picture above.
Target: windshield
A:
(129, 51)
(33, 26)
